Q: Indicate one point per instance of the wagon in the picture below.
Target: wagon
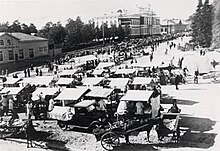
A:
(110, 135)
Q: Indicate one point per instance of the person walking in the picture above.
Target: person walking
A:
(29, 107)
(4, 103)
(177, 80)
(196, 77)
(37, 71)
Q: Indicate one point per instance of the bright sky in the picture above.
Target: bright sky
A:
(40, 12)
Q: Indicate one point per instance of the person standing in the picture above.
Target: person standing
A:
(37, 71)
(140, 108)
(25, 73)
(29, 107)
(5, 104)
(155, 100)
(196, 77)
(11, 105)
(177, 80)
(28, 72)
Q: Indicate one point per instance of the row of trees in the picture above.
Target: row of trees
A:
(74, 33)
(202, 21)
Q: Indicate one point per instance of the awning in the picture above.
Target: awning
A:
(92, 81)
(11, 80)
(99, 92)
(45, 91)
(83, 59)
(118, 82)
(137, 95)
(103, 65)
(85, 103)
(39, 80)
(68, 72)
(141, 81)
(64, 81)
(125, 71)
(12, 90)
(71, 93)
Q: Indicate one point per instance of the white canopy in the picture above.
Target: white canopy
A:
(92, 81)
(68, 72)
(83, 59)
(45, 91)
(103, 65)
(99, 92)
(125, 71)
(11, 80)
(39, 80)
(64, 81)
(141, 80)
(137, 95)
(118, 82)
(72, 93)
(12, 90)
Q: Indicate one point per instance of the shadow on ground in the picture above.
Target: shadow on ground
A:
(194, 132)
(166, 99)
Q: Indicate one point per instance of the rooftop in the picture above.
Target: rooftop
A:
(24, 37)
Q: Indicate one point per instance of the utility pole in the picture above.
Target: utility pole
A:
(103, 33)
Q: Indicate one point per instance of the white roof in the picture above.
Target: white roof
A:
(12, 90)
(125, 71)
(71, 93)
(64, 81)
(39, 80)
(99, 92)
(83, 59)
(98, 72)
(141, 80)
(92, 81)
(68, 72)
(136, 95)
(45, 91)
(118, 82)
(104, 65)
(11, 80)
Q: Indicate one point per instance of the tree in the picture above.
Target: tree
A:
(216, 25)
(32, 28)
(4, 27)
(207, 20)
(120, 32)
(15, 27)
(202, 24)
(25, 29)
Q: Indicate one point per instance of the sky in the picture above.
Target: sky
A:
(39, 12)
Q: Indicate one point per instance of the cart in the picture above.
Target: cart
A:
(109, 135)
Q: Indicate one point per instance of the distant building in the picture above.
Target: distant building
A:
(144, 23)
(173, 26)
(109, 20)
(20, 46)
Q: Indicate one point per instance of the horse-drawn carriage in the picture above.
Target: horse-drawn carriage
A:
(110, 135)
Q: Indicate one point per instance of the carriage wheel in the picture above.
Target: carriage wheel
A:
(63, 126)
(109, 140)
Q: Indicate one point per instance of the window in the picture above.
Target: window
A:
(10, 55)
(1, 56)
(45, 49)
(9, 42)
(41, 49)
(1, 42)
(31, 53)
(21, 54)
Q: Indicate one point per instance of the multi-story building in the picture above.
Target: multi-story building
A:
(109, 20)
(20, 46)
(145, 23)
(173, 26)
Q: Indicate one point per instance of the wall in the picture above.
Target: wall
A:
(16, 45)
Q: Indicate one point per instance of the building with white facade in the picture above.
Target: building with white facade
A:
(109, 20)
(20, 46)
(144, 23)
